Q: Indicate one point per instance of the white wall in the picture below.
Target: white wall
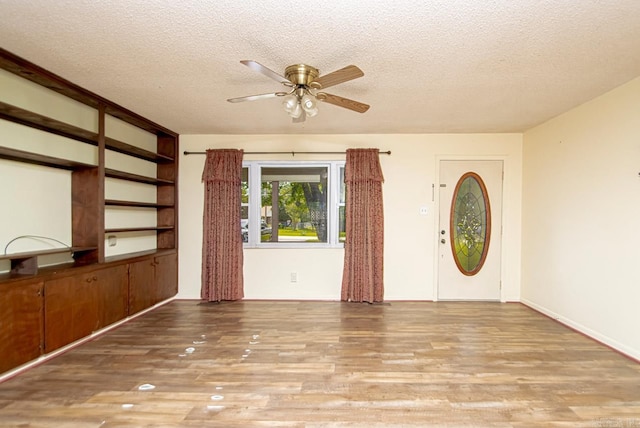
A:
(409, 237)
(581, 202)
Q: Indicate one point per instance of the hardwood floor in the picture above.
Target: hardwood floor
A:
(330, 364)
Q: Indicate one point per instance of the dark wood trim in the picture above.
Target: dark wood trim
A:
(134, 204)
(100, 186)
(137, 229)
(85, 211)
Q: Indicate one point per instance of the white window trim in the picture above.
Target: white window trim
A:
(255, 203)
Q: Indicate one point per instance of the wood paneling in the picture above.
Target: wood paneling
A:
(166, 276)
(76, 306)
(141, 285)
(152, 281)
(70, 310)
(21, 306)
(112, 295)
(331, 364)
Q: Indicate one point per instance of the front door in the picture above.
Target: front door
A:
(470, 230)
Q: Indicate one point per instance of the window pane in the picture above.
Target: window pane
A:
(244, 207)
(343, 186)
(470, 224)
(342, 230)
(244, 186)
(294, 204)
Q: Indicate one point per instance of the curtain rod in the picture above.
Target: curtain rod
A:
(292, 153)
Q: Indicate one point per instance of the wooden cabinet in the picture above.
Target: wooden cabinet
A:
(76, 306)
(21, 305)
(141, 285)
(45, 308)
(152, 281)
(166, 276)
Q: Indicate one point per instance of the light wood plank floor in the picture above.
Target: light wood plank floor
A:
(331, 364)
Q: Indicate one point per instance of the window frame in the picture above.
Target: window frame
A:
(255, 203)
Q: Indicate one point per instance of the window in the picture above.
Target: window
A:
(293, 204)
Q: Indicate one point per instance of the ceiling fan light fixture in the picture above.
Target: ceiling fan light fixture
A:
(296, 112)
(289, 103)
(309, 104)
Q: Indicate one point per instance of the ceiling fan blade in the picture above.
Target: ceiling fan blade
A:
(342, 102)
(345, 74)
(256, 66)
(257, 97)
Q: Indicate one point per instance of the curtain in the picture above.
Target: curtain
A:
(222, 256)
(362, 276)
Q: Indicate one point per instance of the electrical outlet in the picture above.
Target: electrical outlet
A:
(294, 276)
(424, 210)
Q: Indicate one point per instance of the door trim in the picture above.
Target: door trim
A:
(436, 218)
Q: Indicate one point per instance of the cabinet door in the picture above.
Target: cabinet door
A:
(70, 309)
(21, 323)
(141, 286)
(112, 295)
(166, 276)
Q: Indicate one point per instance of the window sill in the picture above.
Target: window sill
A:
(293, 245)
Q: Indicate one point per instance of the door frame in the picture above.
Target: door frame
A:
(436, 220)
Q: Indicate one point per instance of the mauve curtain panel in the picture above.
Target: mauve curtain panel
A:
(362, 277)
(222, 256)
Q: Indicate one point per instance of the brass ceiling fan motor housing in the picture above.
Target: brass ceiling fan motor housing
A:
(301, 74)
(303, 79)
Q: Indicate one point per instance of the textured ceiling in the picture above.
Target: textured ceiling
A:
(430, 66)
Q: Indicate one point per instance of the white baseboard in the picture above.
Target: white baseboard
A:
(612, 343)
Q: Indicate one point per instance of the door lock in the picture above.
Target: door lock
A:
(442, 241)
(442, 232)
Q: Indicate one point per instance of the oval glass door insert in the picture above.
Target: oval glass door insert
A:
(470, 223)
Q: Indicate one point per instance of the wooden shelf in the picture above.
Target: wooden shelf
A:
(118, 203)
(131, 257)
(47, 124)
(112, 173)
(43, 160)
(138, 229)
(128, 149)
(26, 263)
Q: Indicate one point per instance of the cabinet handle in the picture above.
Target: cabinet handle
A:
(88, 279)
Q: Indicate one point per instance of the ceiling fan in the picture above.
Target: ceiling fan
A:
(305, 87)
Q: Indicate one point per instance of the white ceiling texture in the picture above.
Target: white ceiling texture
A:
(430, 66)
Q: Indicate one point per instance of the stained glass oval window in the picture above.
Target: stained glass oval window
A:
(470, 223)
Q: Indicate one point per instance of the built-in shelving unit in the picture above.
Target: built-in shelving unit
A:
(44, 308)
(88, 183)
